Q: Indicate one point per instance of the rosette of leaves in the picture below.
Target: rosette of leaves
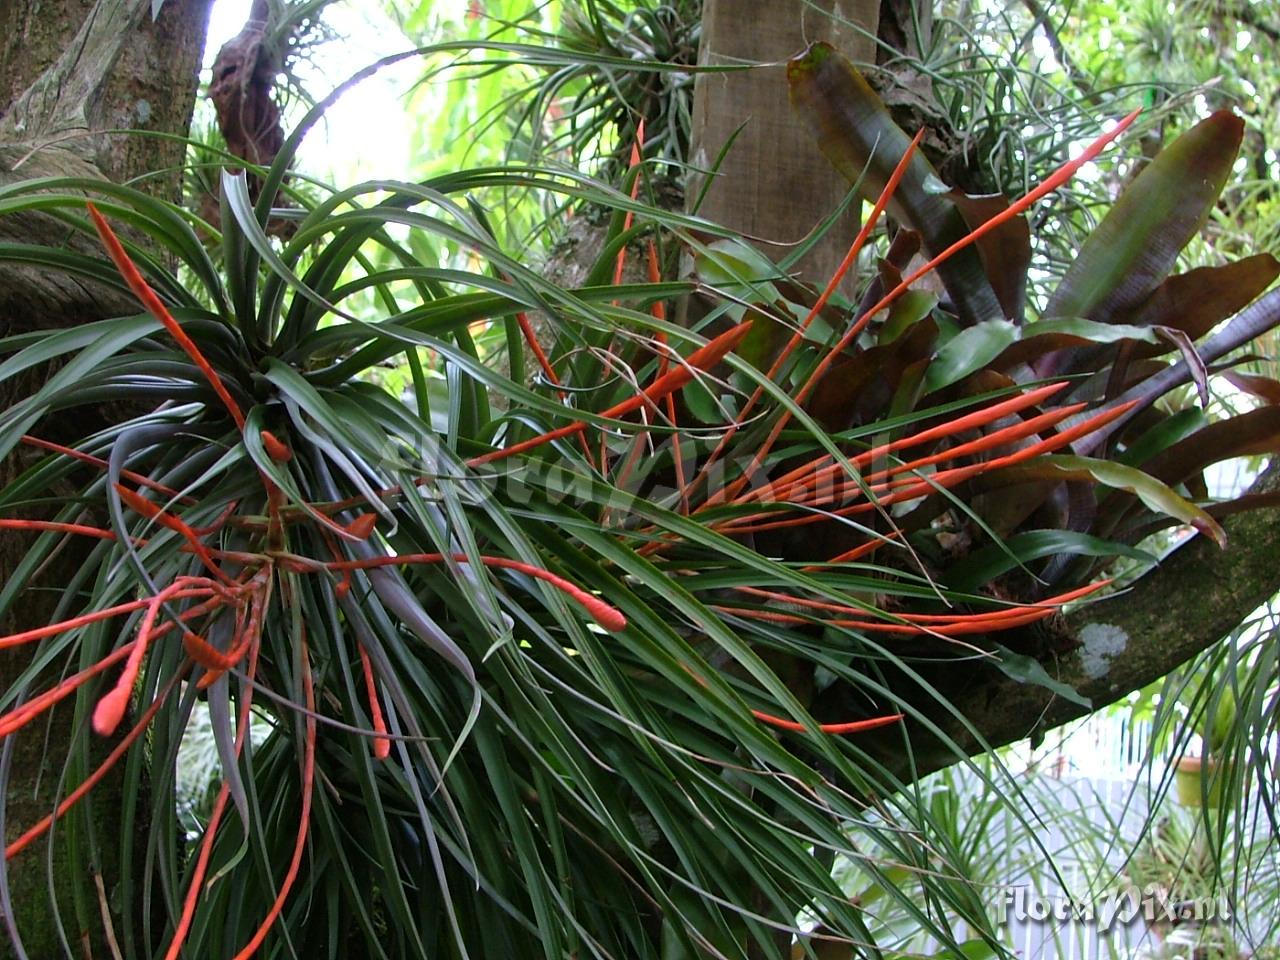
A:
(1122, 326)
(586, 105)
(544, 668)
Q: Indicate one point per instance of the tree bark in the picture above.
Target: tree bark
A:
(774, 184)
(1194, 597)
(72, 74)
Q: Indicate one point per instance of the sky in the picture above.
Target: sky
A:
(365, 135)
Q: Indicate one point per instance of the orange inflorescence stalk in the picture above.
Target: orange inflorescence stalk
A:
(940, 625)
(904, 489)
(215, 818)
(110, 709)
(602, 613)
(854, 726)
(703, 358)
(969, 421)
(155, 306)
(1057, 179)
(381, 744)
(276, 449)
(659, 312)
(130, 475)
(304, 817)
(796, 338)
(145, 508)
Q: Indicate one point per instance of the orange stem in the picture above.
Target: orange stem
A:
(78, 794)
(304, 819)
(215, 818)
(701, 359)
(855, 726)
(607, 616)
(155, 306)
(1055, 180)
(381, 744)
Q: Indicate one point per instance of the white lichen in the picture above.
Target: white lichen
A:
(1100, 643)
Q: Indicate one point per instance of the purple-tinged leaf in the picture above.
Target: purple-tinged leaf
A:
(1264, 388)
(1005, 251)
(1256, 319)
(1132, 250)
(855, 131)
(1157, 496)
(1197, 301)
(1247, 434)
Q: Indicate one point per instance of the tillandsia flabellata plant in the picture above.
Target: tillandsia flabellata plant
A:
(539, 677)
(1119, 324)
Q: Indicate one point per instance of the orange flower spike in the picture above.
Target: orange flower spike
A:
(344, 585)
(155, 306)
(362, 526)
(304, 817)
(703, 358)
(659, 312)
(381, 744)
(111, 708)
(208, 656)
(606, 615)
(1055, 180)
(215, 662)
(19, 717)
(970, 421)
(1051, 183)
(856, 726)
(797, 338)
(999, 438)
(833, 728)
(275, 448)
(853, 554)
(53, 526)
(907, 488)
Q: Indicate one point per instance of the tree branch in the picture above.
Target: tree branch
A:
(1196, 596)
(61, 104)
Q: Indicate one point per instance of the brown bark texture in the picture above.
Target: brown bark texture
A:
(74, 74)
(773, 184)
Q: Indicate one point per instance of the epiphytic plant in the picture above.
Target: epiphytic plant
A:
(540, 664)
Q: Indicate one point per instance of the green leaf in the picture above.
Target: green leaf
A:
(1154, 494)
(998, 558)
(968, 351)
(1024, 669)
(1132, 250)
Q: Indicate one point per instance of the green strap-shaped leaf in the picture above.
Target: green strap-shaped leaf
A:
(1135, 246)
(1024, 669)
(855, 132)
(1156, 495)
(968, 351)
(998, 558)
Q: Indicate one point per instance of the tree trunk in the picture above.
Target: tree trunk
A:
(774, 184)
(70, 70)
